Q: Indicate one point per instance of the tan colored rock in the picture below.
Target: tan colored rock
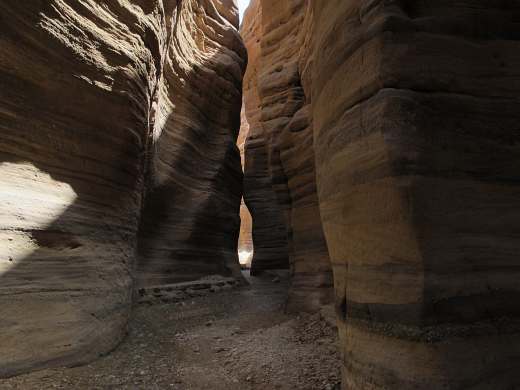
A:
(269, 231)
(245, 240)
(277, 85)
(98, 101)
(415, 108)
(190, 222)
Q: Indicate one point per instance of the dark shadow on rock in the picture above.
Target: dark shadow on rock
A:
(73, 146)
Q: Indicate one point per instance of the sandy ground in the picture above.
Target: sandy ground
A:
(233, 340)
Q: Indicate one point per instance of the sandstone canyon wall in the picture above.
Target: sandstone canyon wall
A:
(413, 108)
(383, 141)
(102, 105)
(191, 218)
(279, 150)
(245, 240)
(268, 230)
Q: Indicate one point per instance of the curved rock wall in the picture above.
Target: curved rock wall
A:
(245, 240)
(268, 231)
(415, 108)
(92, 94)
(279, 87)
(191, 219)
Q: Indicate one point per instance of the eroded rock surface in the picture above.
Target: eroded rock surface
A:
(99, 100)
(191, 219)
(405, 112)
(237, 340)
(277, 95)
(413, 108)
(245, 240)
(268, 230)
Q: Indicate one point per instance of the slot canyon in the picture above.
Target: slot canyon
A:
(324, 195)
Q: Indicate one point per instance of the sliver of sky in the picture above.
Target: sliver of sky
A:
(242, 5)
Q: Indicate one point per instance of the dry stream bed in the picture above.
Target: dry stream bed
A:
(229, 340)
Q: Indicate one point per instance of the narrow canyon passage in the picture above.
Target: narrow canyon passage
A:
(233, 340)
(360, 158)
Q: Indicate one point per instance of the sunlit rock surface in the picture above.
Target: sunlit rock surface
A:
(277, 97)
(269, 229)
(245, 240)
(191, 222)
(405, 112)
(413, 108)
(102, 105)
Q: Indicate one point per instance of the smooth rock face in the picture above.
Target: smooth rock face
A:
(99, 100)
(279, 88)
(416, 110)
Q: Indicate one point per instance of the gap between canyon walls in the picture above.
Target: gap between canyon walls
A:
(190, 222)
(406, 103)
(383, 143)
(86, 127)
(280, 181)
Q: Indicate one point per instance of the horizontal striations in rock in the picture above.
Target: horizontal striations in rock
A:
(415, 109)
(311, 282)
(191, 222)
(245, 240)
(269, 231)
(76, 80)
(282, 91)
(99, 100)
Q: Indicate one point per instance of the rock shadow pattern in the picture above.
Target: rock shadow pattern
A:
(414, 110)
(104, 112)
(279, 153)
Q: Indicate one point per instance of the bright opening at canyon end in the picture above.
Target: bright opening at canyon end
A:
(242, 6)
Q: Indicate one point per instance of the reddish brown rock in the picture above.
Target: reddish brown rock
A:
(269, 232)
(279, 60)
(405, 112)
(98, 101)
(245, 240)
(190, 222)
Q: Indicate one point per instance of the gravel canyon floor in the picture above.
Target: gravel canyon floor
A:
(238, 339)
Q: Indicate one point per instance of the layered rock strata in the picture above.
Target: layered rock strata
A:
(415, 108)
(92, 97)
(268, 230)
(191, 218)
(179, 292)
(278, 87)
